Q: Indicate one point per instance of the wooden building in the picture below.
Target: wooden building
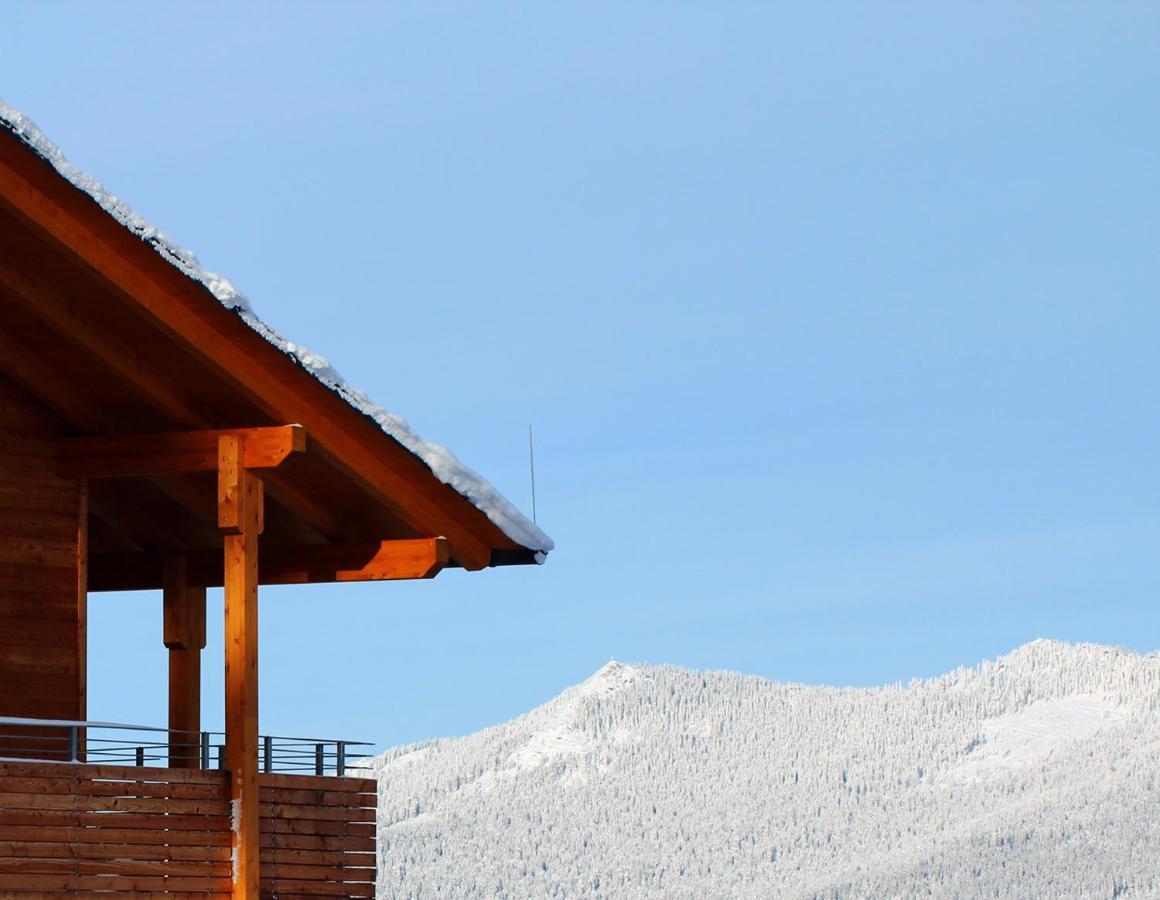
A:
(154, 435)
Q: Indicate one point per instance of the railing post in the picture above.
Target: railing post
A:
(340, 765)
(204, 750)
(73, 743)
(267, 754)
(140, 760)
(318, 760)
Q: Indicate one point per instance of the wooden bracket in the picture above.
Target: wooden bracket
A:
(240, 494)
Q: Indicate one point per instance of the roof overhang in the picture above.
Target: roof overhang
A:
(110, 329)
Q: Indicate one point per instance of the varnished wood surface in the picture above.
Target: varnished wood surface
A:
(42, 573)
(281, 564)
(183, 633)
(173, 453)
(240, 519)
(75, 830)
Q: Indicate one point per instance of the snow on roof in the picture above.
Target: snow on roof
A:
(441, 461)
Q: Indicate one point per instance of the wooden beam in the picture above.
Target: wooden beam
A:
(380, 561)
(123, 456)
(184, 636)
(240, 519)
(304, 564)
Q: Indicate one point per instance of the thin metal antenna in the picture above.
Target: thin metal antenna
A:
(532, 470)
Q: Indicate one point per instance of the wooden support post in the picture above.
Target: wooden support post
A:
(240, 518)
(184, 635)
(82, 620)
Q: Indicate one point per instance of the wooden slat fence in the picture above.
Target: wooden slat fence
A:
(318, 836)
(81, 829)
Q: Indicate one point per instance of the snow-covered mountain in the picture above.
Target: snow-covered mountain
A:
(1037, 775)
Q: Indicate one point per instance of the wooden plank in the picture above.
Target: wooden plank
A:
(47, 849)
(344, 784)
(294, 887)
(101, 820)
(339, 874)
(34, 603)
(55, 554)
(81, 802)
(118, 867)
(18, 576)
(76, 835)
(28, 660)
(318, 857)
(317, 798)
(36, 786)
(141, 894)
(130, 774)
(317, 813)
(272, 841)
(80, 883)
(175, 453)
(146, 820)
(318, 827)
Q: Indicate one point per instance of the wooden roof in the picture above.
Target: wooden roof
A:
(119, 342)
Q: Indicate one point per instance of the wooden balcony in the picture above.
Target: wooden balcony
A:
(77, 828)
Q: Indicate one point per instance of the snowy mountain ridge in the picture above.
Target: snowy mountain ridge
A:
(1033, 775)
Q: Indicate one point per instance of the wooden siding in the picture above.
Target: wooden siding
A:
(42, 569)
(78, 829)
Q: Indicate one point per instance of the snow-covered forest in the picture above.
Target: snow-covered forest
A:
(1032, 776)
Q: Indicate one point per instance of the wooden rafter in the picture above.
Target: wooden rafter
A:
(311, 563)
(73, 320)
(35, 375)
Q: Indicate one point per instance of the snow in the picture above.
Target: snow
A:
(1030, 776)
(441, 461)
(561, 732)
(1027, 736)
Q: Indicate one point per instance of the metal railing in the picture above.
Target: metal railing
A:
(111, 743)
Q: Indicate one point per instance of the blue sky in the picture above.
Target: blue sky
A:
(837, 325)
